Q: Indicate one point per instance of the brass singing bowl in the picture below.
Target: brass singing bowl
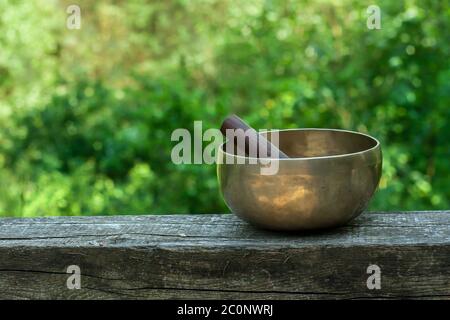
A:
(328, 180)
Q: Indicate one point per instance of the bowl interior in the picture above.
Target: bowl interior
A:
(304, 143)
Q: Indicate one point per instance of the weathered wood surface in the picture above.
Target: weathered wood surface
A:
(219, 256)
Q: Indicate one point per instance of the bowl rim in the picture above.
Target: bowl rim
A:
(377, 145)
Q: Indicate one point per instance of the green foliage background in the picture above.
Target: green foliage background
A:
(86, 115)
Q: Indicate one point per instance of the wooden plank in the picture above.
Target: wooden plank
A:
(219, 256)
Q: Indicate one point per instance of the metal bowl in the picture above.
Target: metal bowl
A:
(328, 180)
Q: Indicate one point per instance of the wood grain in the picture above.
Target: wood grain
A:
(219, 256)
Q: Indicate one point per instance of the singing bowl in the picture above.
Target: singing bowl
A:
(328, 180)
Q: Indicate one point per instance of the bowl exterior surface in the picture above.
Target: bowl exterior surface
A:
(305, 193)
